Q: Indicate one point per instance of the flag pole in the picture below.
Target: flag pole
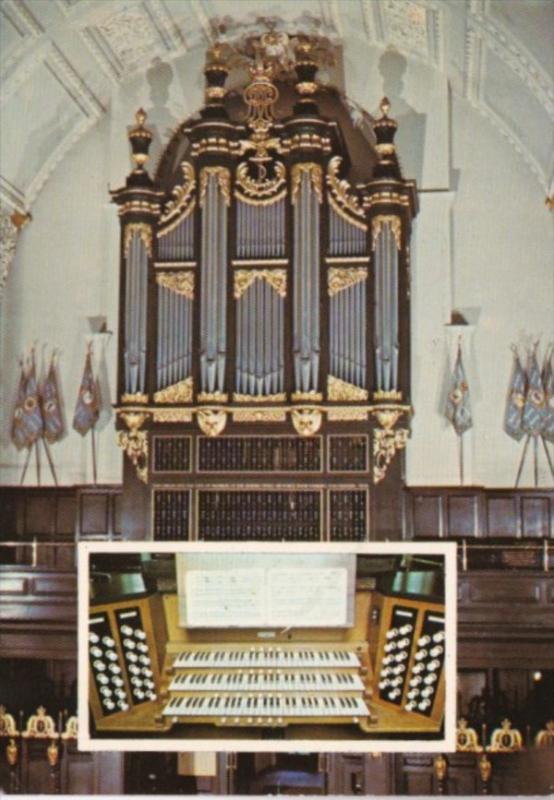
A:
(24, 471)
(461, 455)
(50, 461)
(547, 456)
(536, 459)
(521, 462)
(92, 430)
(37, 459)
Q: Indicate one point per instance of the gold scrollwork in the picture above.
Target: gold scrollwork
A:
(212, 421)
(259, 415)
(53, 754)
(179, 282)
(180, 392)
(339, 390)
(315, 173)
(244, 278)
(339, 278)
(12, 753)
(387, 440)
(134, 442)
(182, 195)
(280, 397)
(71, 729)
(138, 398)
(505, 739)
(172, 415)
(341, 192)
(145, 233)
(306, 421)
(223, 177)
(212, 397)
(467, 740)
(262, 191)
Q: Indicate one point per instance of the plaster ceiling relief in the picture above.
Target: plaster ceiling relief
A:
(103, 43)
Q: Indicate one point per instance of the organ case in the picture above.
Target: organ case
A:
(262, 291)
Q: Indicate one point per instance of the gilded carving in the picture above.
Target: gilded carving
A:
(244, 278)
(339, 278)
(386, 397)
(387, 440)
(179, 282)
(211, 421)
(485, 768)
(467, 740)
(259, 415)
(53, 754)
(145, 233)
(440, 766)
(347, 414)
(71, 729)
(139, 207)
(307, 88)
(223, 177)
(7, 723)
(214, 144)
(12, 753)
(306, 421)
(545, 738)
(212, 397)
(180, 392)
(181, 205)
(40, 726)
(134, 442)
(395, 224)
(339, 390)
(262, 190)
(307, 141)
(311, 397)
(341, 193)
(172, 415)
(138, 398)
(315, 173)
(260, 398)
(505, 739)
(386, 198)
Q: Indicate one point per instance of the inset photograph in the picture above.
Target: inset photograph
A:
(189, 648)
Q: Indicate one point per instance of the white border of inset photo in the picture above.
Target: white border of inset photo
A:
(163, 743)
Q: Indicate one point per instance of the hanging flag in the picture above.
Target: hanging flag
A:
(548, 385)
(87, 409)
(27, 424)
(534, 410)
(513, 416)
(458, 409)
(51, 408)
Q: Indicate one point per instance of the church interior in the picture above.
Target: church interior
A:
(277, 273)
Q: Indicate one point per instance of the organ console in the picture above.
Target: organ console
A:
(186, 662)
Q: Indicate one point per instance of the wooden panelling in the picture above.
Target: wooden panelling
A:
(471, 512)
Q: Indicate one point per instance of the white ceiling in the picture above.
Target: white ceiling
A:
(62, 59)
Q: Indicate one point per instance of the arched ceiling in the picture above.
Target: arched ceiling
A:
(61, 61)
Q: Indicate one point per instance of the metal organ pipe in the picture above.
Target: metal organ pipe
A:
(345, 239)
(386, 310)
(261, 230)
(135, 315)
(306, 302)
(178, 243)
(213, 289)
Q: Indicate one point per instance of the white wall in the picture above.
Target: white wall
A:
(483, 244)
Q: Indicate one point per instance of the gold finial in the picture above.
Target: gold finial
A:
(384, 106)
(549, 202)
(140, 116)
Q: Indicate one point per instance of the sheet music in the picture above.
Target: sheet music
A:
(272, 597)
(225, 597)
(316, 596)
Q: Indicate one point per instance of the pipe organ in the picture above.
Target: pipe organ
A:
(381, 673)
(264, 303)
